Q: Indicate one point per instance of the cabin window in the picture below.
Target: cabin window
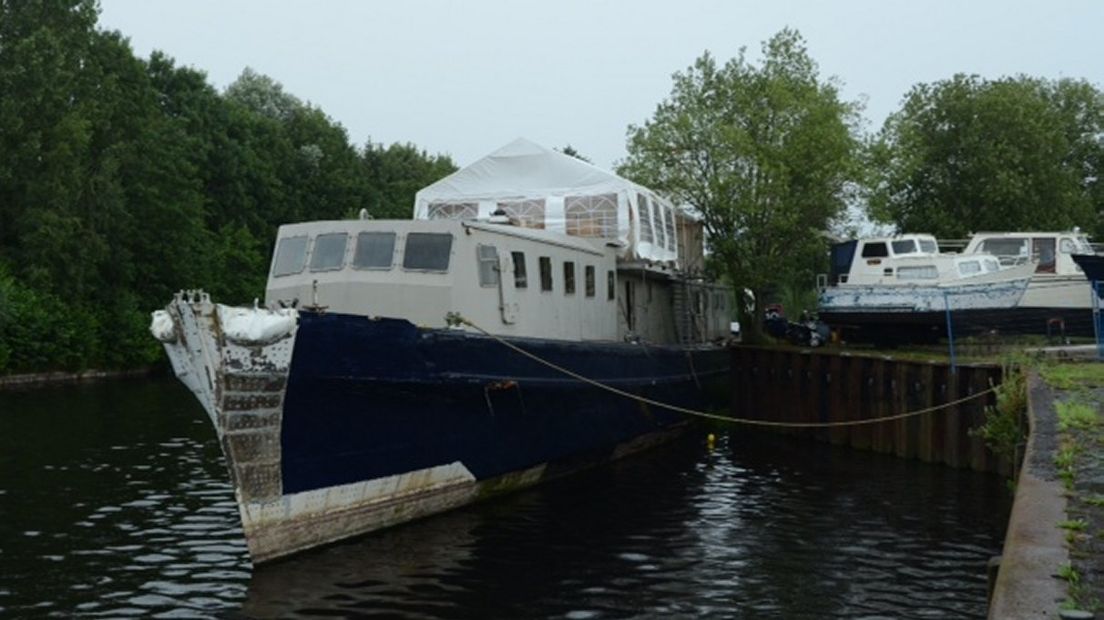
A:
(610, 283)
(427, 251)
(329, 252)
(589, 276)
(453, 211)
(569, 278)
(660, 230)
(874, 250)
(920, 272)
(969, 268)
(645, 209)
(1007, 248)
(546, 273)
(488, 264)
(929, 246)
(374, 250)
(291, 256)
(1067, 246)
(991, 265)
(669, 224)
(904, 246)
(521, 280)
(591, 216)
(524, 213)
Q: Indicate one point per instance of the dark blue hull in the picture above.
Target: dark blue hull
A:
(371, 398)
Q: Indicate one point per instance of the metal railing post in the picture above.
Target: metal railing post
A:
(1095, 292)
(950, 331)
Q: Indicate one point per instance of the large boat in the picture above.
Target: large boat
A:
(1058, 298)
(504, 336)
(899, 289)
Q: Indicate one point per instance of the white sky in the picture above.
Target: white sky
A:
(464, 78)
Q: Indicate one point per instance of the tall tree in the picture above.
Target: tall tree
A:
(764, 153)
(123, 180)
(969, 154)
(395, 173)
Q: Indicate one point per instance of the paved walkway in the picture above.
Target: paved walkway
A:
(1053, 560)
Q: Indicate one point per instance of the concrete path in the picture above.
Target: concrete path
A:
(1034, 548)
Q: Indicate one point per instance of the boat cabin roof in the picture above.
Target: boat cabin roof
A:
(1076, 232)
(899, 245)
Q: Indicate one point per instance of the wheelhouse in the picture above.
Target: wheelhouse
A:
(1051, 251)
(508, 279)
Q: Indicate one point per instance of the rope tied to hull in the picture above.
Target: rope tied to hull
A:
(456, 319)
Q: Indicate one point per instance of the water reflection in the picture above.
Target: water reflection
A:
(755, 530)
(113, 503)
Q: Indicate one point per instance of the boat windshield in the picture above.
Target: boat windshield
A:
(1075, 245)
(929, 246)
(904, 246)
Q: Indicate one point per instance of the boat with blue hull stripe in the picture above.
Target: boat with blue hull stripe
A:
(437, 396)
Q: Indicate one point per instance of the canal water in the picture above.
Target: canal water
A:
(114, 502)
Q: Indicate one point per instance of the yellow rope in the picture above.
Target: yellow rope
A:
(714, 416)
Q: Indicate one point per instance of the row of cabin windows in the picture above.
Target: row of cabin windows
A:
(487, 256)
(374, 250)
(878, 249)
(965, 268)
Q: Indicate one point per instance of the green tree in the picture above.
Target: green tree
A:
(969, 154)
(395, 173)
(764, 153)
(123, 180)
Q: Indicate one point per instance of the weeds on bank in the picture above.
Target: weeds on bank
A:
(1069, 376)
(1065, 460)
(1095, 500)
(1079, 598)
(1074, 525)
(1078, 423)
(1075, 415)
(1003, 430)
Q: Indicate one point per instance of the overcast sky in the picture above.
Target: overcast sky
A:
(464, 78)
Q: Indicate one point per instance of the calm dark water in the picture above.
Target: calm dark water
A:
(114, 503)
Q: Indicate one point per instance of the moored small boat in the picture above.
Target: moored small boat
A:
(1058, 296)
(901, 288)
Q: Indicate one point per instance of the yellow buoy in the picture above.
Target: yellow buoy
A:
(710, 440)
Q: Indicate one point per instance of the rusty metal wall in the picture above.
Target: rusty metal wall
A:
(789, 385)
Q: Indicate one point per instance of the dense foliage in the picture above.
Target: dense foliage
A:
(969, 154)
(123, 180)
(764, 153)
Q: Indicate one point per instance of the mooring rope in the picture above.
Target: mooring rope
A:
(458, 319)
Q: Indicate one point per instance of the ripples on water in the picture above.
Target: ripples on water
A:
(114, 502)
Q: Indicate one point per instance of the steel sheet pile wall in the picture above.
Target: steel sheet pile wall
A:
(783, 385)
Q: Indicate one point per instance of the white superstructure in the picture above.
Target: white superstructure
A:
(1057, 282)
(907, 273)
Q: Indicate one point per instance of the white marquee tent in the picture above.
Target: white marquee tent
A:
(542, 188)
